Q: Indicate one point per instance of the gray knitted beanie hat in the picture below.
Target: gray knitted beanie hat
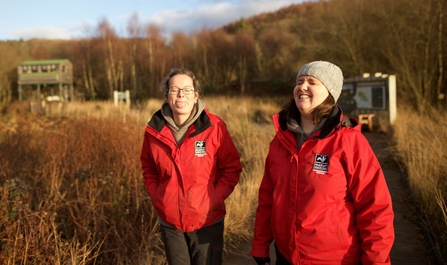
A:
(328, 73)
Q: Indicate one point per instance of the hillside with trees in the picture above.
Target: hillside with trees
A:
(259, 54)
(43, 160)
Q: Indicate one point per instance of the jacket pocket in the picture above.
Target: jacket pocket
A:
(338, 224)
(156, 196)
(215, 202)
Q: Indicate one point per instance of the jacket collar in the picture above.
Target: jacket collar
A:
(334, 121)
(157, 122)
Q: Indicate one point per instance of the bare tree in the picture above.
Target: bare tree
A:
(108, 37)
(441, 7)
(134, 31)
(157, 57)
(245, 50)
(83, 53)
(217, 54)
(8, 70)
(409, 41)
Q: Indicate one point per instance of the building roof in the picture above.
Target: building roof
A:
(39, 62)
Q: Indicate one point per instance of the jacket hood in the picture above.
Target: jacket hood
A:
(158, 122)
(335, 121)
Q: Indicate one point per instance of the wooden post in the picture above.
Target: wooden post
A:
(128, 98)
(71, 92)
(61, 94)
(115, 98)
(38, 91)
(392, 98)
(20, 92)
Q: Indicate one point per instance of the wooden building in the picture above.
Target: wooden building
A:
(371, 98)
(46, 73)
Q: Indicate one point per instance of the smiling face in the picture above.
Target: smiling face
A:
(309, 92)
(181, 104)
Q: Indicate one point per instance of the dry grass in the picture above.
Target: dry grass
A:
(249, 123)
(71, 187)
(421, 144)
(72, 193)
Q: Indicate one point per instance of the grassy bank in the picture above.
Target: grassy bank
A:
(421, 144)
(72, 191)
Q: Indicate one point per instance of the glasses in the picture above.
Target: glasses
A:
(176, 90)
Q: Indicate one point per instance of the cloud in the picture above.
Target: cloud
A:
(213, 16)
(41, 33)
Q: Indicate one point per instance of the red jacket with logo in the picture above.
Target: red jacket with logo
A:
(189, 183)
(327, 203)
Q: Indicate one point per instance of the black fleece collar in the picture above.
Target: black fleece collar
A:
(202, 123)
(331, 123)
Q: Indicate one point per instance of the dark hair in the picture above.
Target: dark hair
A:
(320, 112)
(164, 85)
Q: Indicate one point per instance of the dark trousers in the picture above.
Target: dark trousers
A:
(201, 247)
(280, 260)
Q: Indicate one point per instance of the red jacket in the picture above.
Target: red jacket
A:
(188, 184)
(327, 203)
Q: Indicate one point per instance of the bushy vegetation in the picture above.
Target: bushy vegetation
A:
(72, 191)
(421, 144)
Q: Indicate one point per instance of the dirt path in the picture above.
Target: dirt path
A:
(410, 246)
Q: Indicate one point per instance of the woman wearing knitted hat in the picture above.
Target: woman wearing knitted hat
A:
(323, 198)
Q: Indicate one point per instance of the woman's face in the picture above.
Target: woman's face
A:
(181, 104)
(308, 93)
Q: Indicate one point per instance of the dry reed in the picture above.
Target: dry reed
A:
(71, 186)
(421, 144)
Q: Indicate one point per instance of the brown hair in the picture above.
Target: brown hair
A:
(320, 112)
(164, 85)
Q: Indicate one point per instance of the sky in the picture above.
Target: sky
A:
(71, 19)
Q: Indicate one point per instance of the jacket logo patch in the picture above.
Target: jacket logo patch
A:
(200, 148)
(321, 163)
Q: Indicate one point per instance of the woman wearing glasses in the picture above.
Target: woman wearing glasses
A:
(190, 166)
